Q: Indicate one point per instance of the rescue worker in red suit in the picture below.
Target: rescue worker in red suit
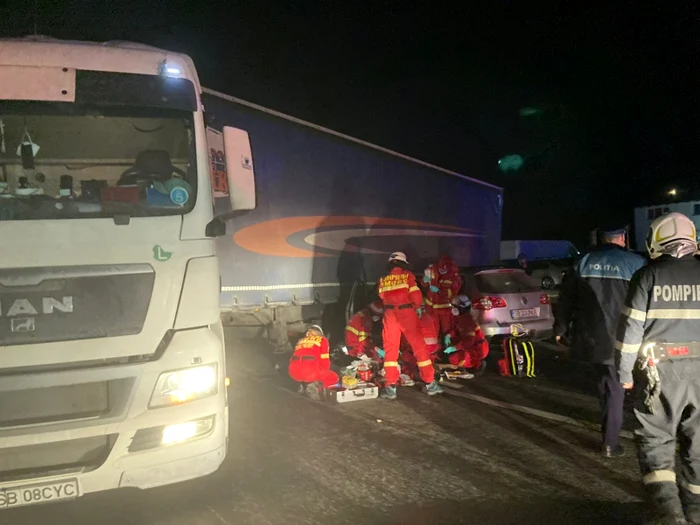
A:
(402, 299)
(430, 338)
(442, 282)
(466, 345)
(358, 332)
(310, 363)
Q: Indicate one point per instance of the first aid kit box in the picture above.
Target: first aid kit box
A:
(363, 392)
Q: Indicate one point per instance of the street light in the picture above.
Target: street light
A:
(673, 192)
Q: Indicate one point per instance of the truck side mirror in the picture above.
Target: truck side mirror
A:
(215, 228)
(231, 162)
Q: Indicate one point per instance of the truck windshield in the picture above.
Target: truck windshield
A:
(70, 161)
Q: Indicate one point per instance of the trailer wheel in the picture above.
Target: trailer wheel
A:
(548, 283)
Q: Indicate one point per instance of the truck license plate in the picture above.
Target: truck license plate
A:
(39, 493)
(524, 313)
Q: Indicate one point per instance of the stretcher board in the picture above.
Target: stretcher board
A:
(361, 393)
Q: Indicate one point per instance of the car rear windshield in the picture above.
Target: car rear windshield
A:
(506, 282)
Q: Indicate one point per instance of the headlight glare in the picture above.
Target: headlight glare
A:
(182, 386)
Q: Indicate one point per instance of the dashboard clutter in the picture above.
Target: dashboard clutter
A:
(91, 190)
(130, 194)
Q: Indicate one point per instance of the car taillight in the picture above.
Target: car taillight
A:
(488, 303)
(544, 298)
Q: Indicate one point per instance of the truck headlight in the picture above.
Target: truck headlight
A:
(182, 386)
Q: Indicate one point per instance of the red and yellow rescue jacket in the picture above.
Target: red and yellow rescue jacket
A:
(310, 358)
(467, 336)
(358, 333)
(399, 288)
(448, 284)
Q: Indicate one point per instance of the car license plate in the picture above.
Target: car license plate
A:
(22, 495)
(525, 313)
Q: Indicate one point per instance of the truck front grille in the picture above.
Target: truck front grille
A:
(46, 459)
(64, 303)
(95, 400)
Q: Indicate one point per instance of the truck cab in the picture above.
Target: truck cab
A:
(112, 365)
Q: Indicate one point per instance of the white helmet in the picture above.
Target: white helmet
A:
(398, 256)
(462, 301)
(316, 328)
(673, 234)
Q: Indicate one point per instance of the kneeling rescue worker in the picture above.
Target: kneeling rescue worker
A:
(310, 363)
(466, 344)
(402, 298)
(358, 332)
(660, 327)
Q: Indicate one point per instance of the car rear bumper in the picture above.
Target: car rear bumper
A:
(537, 330)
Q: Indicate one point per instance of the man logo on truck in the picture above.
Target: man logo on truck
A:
(24, 307)
(22, 324)
(49, 305)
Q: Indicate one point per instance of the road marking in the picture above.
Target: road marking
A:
(217, 515)
(533, 411)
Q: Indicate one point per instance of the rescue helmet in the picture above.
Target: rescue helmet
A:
(316, 328)
(462, 302)
(398, 256)
(673, 234)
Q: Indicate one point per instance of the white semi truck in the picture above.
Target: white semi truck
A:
(112, 363)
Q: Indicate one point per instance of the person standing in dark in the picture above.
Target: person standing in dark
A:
(590, 305)
(659, 339)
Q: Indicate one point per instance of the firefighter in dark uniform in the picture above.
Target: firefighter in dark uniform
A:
(659, 329)
(589, 308)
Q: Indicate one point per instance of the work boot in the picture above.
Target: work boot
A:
(692, 514)
(691, 505)
(388, 392)
(434, 388)
(613, 452)
(664, 504)
(313, 390)
(405, 380)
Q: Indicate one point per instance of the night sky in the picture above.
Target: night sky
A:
(620, 86)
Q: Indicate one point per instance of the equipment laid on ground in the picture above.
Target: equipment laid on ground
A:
(363, 391)
(356, 383)
(451, 372)
(518, 357)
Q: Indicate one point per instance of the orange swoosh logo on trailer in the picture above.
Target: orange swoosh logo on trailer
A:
(270, 237)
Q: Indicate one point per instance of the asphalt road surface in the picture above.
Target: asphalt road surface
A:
(492, 451)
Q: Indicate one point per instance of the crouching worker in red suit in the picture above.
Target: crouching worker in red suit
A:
(310, 364)
(402, 301)
(466, 345)
(358, 332)
(442, 283)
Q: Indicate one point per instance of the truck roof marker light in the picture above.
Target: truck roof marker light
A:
(169, 70)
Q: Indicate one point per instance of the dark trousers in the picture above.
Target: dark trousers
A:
(612, 398)
(676, 419)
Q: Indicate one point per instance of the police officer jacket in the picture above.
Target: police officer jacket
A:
(591, 301)
(663, 306)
